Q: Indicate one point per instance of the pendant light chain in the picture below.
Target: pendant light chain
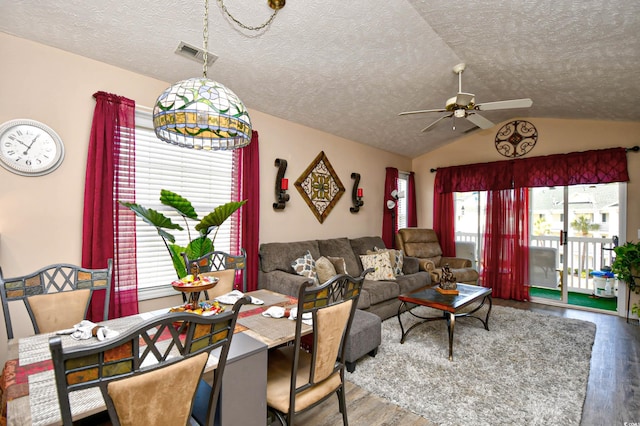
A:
(246, 27)
(205, 36)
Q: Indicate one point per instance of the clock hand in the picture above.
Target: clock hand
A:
(32, 142)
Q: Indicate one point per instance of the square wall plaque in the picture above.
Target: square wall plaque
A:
(320, 187)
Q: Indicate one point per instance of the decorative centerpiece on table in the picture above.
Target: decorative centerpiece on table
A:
(196, 247)
(448, 284)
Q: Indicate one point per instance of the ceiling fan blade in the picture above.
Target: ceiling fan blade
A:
(479, 121)
(436, 122)
(514, 103)
(464, 99)
(422, 111)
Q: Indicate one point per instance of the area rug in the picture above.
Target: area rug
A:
(528, 369)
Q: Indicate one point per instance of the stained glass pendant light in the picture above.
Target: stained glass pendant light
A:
(200, 113)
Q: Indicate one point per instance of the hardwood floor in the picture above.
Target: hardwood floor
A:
(613, 392)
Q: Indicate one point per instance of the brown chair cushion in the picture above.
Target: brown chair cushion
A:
(59, 311)
(279, 381)
(226, 279)
(160, 397)
(332, 322)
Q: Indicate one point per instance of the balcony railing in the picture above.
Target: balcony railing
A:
(584, 255)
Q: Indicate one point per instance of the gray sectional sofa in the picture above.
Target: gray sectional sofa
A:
(378, 297)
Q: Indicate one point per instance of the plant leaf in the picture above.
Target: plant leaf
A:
(218, 215)
(178, 202)
(199, 247)
(154, 218)
(178, 261)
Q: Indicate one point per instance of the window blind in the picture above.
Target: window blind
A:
(204, 178)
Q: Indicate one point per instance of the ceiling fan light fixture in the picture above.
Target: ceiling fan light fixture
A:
(460, 113)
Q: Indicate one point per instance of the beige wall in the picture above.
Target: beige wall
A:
(41, 217)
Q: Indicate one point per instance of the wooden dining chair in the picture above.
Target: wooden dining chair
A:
(57, 296)
(148, 375)
(304, 374)
(222, 265)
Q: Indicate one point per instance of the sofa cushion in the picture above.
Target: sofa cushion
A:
(340, 247)
(306, 267)
(364, 301)
(410, 265)
(407, 283)
(361, 245)
(381, 266)
(325, 269)
(379, 291)
(278, 256)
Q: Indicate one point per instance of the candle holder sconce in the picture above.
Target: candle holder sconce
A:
(282, 185)
(356, 194)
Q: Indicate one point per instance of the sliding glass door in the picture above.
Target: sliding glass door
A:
(571, 239)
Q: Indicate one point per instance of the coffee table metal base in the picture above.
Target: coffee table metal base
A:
(447, 316)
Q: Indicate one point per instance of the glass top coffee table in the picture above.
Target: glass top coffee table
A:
(449, 304)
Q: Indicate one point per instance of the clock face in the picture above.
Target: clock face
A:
(29, 148)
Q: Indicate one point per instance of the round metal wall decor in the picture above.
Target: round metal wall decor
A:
(516, 138)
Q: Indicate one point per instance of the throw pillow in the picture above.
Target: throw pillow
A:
(339, 264)
(395, 256)
(325, 269)
(306, 267)
(381, 266)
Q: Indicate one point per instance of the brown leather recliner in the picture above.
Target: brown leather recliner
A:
(424, 244)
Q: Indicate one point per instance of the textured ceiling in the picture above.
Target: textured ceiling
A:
(349, 67)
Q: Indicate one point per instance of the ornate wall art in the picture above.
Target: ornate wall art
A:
(320, 187)
(516, 138)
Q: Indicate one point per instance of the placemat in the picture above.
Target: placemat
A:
(44, 404)
(271, 328)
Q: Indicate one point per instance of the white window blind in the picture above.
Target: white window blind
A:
(204, 178)
(403, 180)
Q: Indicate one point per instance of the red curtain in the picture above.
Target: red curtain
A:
(389, 216)
(109, 177)
(597, 166)
(247, 160)
(412, 215)
(444, 221)
(506, 244)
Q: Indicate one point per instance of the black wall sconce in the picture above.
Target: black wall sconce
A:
(282, 185)
(356, 194)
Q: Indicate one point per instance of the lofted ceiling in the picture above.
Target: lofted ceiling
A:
(349, 67)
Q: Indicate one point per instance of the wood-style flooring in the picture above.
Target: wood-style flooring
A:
(613, 392)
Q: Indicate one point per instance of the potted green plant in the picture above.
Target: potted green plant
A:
(627, 265)
(196, 247)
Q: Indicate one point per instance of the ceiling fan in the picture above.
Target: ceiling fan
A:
(463, 105)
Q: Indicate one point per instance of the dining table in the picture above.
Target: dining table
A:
(28, 390)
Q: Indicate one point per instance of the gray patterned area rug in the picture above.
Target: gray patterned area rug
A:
(528, 369)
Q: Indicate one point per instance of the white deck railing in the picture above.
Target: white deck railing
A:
(584, 255)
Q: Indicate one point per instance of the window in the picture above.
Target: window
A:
(403, 180)
(604, 217)
(204, 178)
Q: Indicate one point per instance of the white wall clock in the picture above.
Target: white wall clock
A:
(29, 148)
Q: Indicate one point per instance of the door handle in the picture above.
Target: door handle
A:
(563, 238)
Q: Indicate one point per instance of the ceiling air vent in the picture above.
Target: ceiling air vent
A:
(195, 53)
